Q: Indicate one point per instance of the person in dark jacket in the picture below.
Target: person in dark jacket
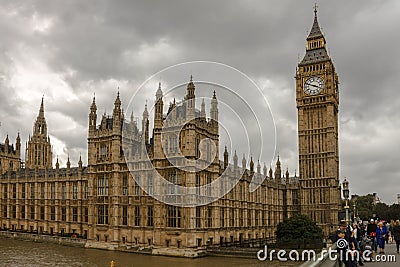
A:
(357, 237)
(396, 234)
(345, 249)
(371, 233)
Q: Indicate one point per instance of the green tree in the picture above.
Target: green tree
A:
(299, 227)
(364, 205)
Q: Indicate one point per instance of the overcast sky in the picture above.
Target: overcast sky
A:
(69, 50)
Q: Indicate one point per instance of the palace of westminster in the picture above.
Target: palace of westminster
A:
(102, 203)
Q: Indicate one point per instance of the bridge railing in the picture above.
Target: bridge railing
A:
(326, 260)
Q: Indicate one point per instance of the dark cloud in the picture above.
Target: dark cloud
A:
(68, 50)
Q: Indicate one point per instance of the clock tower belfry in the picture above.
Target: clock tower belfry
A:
(317, 99)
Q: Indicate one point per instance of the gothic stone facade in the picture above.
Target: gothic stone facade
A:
(103, 203)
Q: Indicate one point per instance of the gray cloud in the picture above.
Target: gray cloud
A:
(69, 50)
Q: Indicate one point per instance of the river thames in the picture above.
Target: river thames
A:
(17, 253)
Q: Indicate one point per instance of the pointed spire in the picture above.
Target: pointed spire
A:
(80, 161)
(57, 164)
(315, 29)
(235, 161)
(244, 163)
(190, 89)
(278, 171)
(287, 172)
(68, 163)
(41, 110)
(258, 167)
(145, 112)
(226, 158)
(93, 107)
(251, 165)
(214, 108)
(203, 109)
(265, 170)
(159, 93)
(117, 100)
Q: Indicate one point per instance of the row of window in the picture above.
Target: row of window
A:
(103, 215)
(52, 192)
(39, 213)
(103, 185)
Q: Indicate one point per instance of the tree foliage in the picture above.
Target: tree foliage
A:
(366, 209)
(298, 227)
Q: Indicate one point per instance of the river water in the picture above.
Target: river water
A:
(16, 253)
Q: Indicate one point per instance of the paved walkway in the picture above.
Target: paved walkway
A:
(390, 252)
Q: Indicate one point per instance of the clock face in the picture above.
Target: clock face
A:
(314, 85)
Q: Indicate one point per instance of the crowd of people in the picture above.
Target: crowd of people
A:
(360, 236)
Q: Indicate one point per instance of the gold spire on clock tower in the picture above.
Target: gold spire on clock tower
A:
(317, 101)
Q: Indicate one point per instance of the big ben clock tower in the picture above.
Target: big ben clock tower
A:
(317, 98)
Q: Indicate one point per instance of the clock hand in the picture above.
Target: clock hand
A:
(314, 86)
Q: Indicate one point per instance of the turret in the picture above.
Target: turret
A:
(278, 171)
(18, 145)
(93, 116)
(244, 163)
(117, 113)
(265, 170)
(225, 158)
(38, 152)
(57, 165)
(258, 167)
(145, 125)
(190, 100)
(214, 108)
(203, 109)
(6, 144)
(80, 163)
(235, 162)
(251, 166)
(158, 110)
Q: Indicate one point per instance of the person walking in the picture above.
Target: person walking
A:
(381, 233)
(371, 233)
(396, 234)
(357, 237)
(391, 225)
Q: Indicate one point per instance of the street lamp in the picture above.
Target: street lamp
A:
(346, 193)
(354, 211)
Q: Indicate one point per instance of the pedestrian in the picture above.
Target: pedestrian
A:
(371, 233)
(381, 233)
(357, 238)
(345, 249)
(391, 231)
(396, 234)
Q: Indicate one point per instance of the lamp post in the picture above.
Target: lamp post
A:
(346, 197)
(354, 211)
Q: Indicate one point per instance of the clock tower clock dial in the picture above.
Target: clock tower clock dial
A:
(317, 101)
(314, 85)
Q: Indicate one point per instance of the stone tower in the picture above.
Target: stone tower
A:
(38, 151)
(10, 158)
(317, 98)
